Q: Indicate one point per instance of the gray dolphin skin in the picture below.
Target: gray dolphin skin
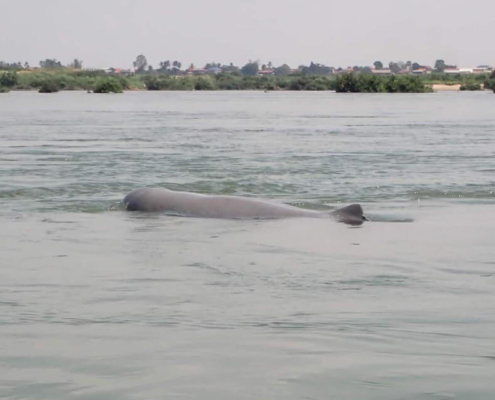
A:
(228, 207)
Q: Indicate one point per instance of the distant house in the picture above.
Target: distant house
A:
(196, 71)
(118, 71)
(421, 71)
(266, 72)
(482, 69)
(381, 72)
(465, 71)
(214, 70)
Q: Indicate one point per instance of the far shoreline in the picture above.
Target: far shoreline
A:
(435, 89)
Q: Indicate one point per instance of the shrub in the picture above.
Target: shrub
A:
(203, 83)
(4, 89)
(347, 83)
(169, 83)
(108, 85)
(154, 82)
(365, 83)
(470, 86)
(490, 84)
(49, 86)
(369, 83)
(8, 79)
(228, 82)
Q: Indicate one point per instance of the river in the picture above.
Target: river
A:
(97, 302)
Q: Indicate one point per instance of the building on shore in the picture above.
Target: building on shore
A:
(423, 70)
(267, 72)
(118, 71)
(382, 72)
(485, 69)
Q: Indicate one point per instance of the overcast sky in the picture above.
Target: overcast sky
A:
(106, 33)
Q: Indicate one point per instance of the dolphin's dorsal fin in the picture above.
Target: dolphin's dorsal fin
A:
(352, 214)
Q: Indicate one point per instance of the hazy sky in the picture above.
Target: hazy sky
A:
(106, 33)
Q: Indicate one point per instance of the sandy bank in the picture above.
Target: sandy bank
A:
(446, 88)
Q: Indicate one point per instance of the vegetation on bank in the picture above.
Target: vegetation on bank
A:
(67, 80)
(53, 80)
(364, 83)
(237, 82)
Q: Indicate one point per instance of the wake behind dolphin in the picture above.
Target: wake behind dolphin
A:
(228, 207)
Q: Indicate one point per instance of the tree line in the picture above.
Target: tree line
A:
(251, 68)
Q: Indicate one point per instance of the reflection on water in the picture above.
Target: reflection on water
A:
(99, 303)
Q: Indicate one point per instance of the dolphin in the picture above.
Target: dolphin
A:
(228, 207)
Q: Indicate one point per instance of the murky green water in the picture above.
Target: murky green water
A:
(99, 303)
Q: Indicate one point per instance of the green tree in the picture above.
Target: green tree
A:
(394, 67)
(231, 69)
(416, 66)
(164, 65)
(9, 66)
(8, 79)
(212, 65)
(76, 64)
(283, 70)
(440, 65)
(378, 65)
(49, 86)
(316, 69)
(50, 64)
(140, 63)
(250, 69)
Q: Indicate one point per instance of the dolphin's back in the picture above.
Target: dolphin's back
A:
(200, 205)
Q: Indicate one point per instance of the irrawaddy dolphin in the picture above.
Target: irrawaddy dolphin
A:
(229, 207)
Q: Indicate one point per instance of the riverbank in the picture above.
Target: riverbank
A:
(93, 81)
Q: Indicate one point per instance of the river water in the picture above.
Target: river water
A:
(100, 303)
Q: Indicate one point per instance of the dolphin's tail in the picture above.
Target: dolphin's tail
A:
(352, 214)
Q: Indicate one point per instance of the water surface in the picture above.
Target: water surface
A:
(99, 303)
